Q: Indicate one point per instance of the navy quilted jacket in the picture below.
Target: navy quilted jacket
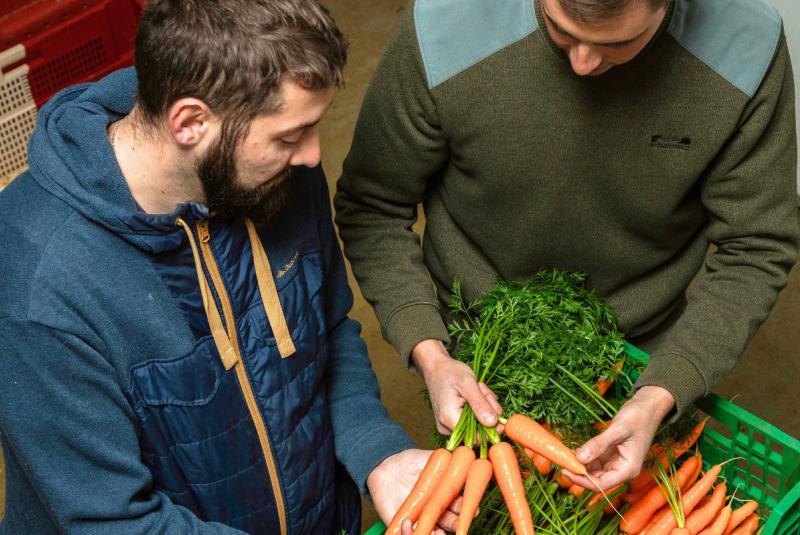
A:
(171, 374)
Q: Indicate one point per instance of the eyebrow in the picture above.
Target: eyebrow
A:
(562, 31)
(297, 128)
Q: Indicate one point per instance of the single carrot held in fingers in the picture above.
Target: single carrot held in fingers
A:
(640, 513)
(478, 477)
(689, 501)
(704, 515)
(720, 522)
(506, 474)
(449, 487)
(427, 482)
(530, 434)
(740, 514)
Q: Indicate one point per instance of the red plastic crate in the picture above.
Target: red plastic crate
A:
(9, 6)
(71, 41)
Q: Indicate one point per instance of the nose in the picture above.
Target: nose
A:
(308, 153)
(584, 59)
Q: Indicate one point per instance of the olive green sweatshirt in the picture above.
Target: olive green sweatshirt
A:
(629, 176)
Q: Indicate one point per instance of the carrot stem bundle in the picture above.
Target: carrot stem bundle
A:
(640, 513)
(689, 501)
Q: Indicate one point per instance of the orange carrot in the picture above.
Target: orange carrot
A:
(658, 517)
(602, 385)
(645, 478)
(506, 474)
(427, 482)
(613, 507)
(740, 514)
(478, 477)
(693, 478)
(688, 501)
(681, 531)
(531, 435)
(633, 497)
(602, 426)
(614, 491)
(542, 465)
(749, 526)
(449, 487)
(703, 515)
(642, 511)
(576, 490)
(563, 481)
(720, 522)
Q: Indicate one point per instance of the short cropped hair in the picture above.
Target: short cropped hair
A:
(234, 55)
(602, 10)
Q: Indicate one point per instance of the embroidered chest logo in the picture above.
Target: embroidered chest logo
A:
(283, 271)
(661, 141)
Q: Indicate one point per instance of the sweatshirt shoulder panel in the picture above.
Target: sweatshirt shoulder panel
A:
(735, 38)
(454, 35)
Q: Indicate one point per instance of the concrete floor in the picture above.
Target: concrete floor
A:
(764, 380)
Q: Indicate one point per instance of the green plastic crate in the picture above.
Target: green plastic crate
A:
(769, 471)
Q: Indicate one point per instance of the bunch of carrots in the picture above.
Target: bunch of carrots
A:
(670, 497)
(453, 468)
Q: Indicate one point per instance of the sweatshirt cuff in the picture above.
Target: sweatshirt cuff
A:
(411, 324)
(370, 451)
(677, 374)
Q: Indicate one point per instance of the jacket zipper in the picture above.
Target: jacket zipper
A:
(204, 236)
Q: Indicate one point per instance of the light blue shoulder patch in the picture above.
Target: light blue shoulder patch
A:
(735, 38)
(454, 35)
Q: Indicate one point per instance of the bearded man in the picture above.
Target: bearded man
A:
(175, 346)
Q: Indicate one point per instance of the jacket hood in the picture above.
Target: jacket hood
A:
(72, 158)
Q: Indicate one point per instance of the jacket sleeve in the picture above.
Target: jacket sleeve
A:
(750, 197)
(364, 435)
(397, 148)
(72, 430)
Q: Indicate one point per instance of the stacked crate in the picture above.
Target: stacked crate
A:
(46, 45)
(17, 115)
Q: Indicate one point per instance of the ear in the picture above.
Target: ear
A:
(190, 121)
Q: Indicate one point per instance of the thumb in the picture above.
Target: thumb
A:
(480, 405)
(598, 445)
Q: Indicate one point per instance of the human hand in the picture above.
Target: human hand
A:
(391, 482)
(451, 385)
(617, 454)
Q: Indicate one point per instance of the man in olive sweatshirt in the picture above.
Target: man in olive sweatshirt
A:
(619, 137)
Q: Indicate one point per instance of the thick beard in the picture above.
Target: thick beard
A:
(219, 177)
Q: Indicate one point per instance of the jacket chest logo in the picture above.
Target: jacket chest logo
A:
(289, 265)
(667, 141)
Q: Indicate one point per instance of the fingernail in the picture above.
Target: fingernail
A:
(489, 417)
(583, 456)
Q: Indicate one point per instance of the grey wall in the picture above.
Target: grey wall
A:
(790, 11)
